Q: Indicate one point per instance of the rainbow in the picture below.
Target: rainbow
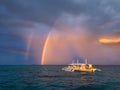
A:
(29, 43)
(44, 49)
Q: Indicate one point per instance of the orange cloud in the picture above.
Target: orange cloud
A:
(109, 41)
(61, 47)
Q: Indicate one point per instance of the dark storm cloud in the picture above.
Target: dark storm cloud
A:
(10, 36)
(11, 50)
(44, 11)
(18, 17)
(11, 43)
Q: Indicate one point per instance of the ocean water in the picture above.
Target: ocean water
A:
(53, 78)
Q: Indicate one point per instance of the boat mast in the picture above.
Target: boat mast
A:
(77, 61)
(72, 61)
(85, 61)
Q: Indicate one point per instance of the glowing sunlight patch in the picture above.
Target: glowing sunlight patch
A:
(109, 41)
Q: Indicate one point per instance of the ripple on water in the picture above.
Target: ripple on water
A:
(53, 78)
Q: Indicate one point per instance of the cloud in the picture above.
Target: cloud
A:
(47, 12)
(11, 50)
(62, 47)
(38, 11)
(109, 41)
(81, 22)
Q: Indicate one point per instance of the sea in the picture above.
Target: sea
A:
(52, 77)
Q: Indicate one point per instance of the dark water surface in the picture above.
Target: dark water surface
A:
(53, 78)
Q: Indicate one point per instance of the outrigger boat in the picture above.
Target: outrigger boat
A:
(80, 67)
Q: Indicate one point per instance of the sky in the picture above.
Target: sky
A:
(43, 32)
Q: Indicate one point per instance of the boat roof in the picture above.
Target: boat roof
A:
(78, 64)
